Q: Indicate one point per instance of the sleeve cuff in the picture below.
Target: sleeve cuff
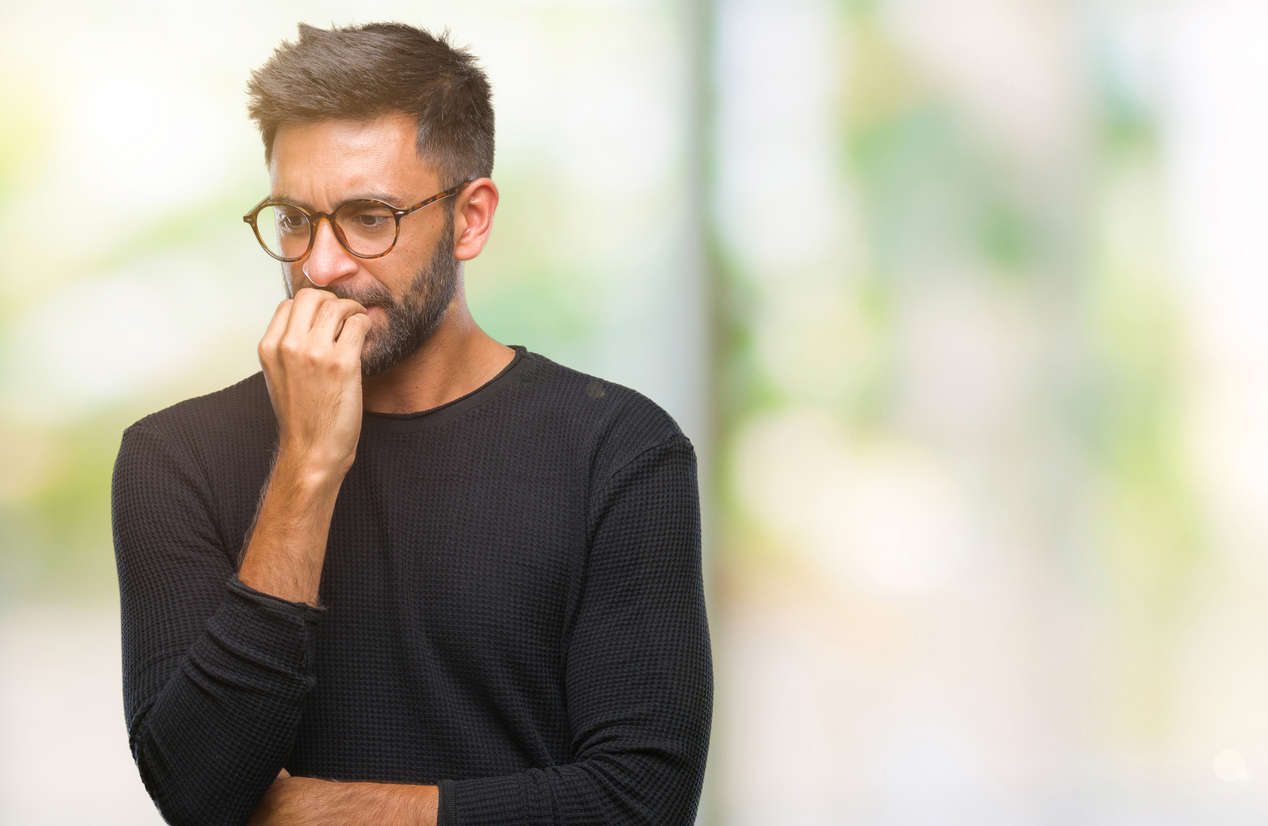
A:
(259, 642)
(307, 612)
(445, 814)
(520, 799)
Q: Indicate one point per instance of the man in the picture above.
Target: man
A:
(405, 574)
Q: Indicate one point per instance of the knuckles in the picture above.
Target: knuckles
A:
(296, 350)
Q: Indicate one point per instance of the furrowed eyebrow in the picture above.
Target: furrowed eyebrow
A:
(380, 196)
(388, 197)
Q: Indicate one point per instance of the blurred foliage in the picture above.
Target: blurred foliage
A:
(936, 201)
(54, 513)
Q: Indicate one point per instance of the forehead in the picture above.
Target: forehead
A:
(332, 158)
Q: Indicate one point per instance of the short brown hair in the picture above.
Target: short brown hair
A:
(361, 72)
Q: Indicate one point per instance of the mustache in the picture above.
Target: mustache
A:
(376, 298)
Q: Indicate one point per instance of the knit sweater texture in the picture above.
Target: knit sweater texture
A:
(511, 608)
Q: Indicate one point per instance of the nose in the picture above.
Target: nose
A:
(327, 261)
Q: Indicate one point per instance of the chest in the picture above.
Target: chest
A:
(455, 560)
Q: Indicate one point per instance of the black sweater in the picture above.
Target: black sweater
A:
(511, 608)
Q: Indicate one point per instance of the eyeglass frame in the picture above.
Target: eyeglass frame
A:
(314, 221)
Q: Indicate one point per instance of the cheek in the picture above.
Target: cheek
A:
(417, 245)
(294, 278)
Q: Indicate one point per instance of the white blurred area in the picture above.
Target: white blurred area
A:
(962, 612)
(960, 304)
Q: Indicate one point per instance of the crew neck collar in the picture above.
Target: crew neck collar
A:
(403, 422)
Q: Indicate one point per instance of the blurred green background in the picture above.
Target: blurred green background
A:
(958, 303)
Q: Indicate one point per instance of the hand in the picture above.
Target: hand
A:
(276, 801)
(311, 355)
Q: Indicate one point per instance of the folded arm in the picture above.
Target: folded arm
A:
(215, 671)
(638, 680)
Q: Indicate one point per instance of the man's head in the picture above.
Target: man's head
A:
(387, 112)
(361, 72)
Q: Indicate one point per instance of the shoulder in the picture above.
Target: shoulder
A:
(239, 414)
(614, 422)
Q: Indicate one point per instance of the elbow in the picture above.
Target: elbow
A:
(686, 771)
(186, 797)
(178, 802)
(661, 786)
(686, 786)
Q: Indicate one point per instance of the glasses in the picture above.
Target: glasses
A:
(366, 228)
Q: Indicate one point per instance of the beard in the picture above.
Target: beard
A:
(413, 318)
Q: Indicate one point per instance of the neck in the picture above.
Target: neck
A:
(458, 358)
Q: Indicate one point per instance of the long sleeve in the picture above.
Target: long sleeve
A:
(214, 672)
(638, 670)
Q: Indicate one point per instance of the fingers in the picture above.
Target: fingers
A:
(276, 329)
(332, 322)
(330, 316)
(304, 308)
(314, 378)
(353, 335)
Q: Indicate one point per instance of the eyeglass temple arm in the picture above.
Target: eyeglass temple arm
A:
(453, 190)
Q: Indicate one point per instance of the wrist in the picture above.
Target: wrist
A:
(307, 472)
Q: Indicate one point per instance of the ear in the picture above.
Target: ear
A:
(473, 217)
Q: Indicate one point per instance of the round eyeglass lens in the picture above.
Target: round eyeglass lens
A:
(368, 227)
(284, 230)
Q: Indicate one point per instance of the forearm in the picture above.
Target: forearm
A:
(310, 354)
(287, 547)
(308, 801)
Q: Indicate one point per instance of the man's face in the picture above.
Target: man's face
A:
(320, 165)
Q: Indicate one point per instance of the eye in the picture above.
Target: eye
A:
(366, 219)
(369, 220)
(290, 220)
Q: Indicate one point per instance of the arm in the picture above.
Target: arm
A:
(215, 672)
(638, 670)
(306, 801)
(313, 372)
(217, 663)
